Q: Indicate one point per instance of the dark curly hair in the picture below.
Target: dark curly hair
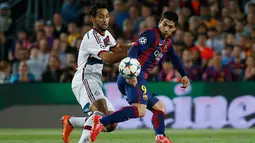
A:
(98, 5)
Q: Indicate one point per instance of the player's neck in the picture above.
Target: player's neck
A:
(162, 36)
(101, 32)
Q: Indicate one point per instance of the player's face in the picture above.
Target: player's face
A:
(101, 20)
(167, 27)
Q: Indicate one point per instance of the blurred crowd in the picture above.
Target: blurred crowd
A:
(214, 38)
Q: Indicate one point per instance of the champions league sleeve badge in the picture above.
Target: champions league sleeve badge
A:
(142, 40)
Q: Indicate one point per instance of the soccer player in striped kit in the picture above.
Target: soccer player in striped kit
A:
(148, 50)
(98, 46)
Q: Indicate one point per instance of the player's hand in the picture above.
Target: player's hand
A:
(185, 82)
(132, 81)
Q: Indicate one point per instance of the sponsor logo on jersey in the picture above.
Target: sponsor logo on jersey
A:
(158, 55)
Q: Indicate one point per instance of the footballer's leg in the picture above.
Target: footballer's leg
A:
(159, 111)
(69, 122)
(88, 124)
(99, 104)
(135, 97)
(104, 107)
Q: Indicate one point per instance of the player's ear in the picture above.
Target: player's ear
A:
(174, 28)
(159, 21)
(92, 19)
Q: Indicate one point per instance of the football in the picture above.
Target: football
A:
(129, 67)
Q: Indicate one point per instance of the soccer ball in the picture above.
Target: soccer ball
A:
(129, 67)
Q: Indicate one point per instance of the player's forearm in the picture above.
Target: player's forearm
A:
(133, 52)
(125, 47)
(176, 60)
(117, 57)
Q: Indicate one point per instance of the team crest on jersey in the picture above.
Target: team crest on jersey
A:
(97, 93)
(145, 96)
(164, 49)
(142, 40)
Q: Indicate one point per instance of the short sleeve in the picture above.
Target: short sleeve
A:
(144, 42)
(113, 42)
(93, 46)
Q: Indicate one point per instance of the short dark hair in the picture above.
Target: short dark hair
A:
(98, 5)
(172, 16)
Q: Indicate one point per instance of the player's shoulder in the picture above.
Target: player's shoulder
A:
(88, 35)
(151, 32)
(107, 32)
(91, 37)
(148, 35)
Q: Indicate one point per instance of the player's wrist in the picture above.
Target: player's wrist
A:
(131, 81)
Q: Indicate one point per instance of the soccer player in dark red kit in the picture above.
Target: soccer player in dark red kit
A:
(148, 50)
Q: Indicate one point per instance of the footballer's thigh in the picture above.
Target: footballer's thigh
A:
(101, 103)
(155, 104)
(90, 96)
(82, 97)
(137, 95)
(96, 96)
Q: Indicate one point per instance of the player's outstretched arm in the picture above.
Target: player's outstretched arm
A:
(177, 62)
(111, 58)
(121, 47)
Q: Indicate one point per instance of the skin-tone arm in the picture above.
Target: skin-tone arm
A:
(112, 57)
(118, 53)
(121, 47)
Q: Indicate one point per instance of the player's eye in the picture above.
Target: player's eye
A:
(164, 24)
(100, 16)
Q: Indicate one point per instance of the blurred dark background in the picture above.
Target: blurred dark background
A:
(40, 39)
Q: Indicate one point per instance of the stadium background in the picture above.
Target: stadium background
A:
(39, 41)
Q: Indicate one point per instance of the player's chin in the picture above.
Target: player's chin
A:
(104, 28)
(167, 35)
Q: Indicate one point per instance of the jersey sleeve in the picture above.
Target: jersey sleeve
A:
(145, 41)
(176, 61)
(93, 46)
(113, 43)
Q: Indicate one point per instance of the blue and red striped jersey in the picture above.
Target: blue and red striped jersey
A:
(150, 47)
